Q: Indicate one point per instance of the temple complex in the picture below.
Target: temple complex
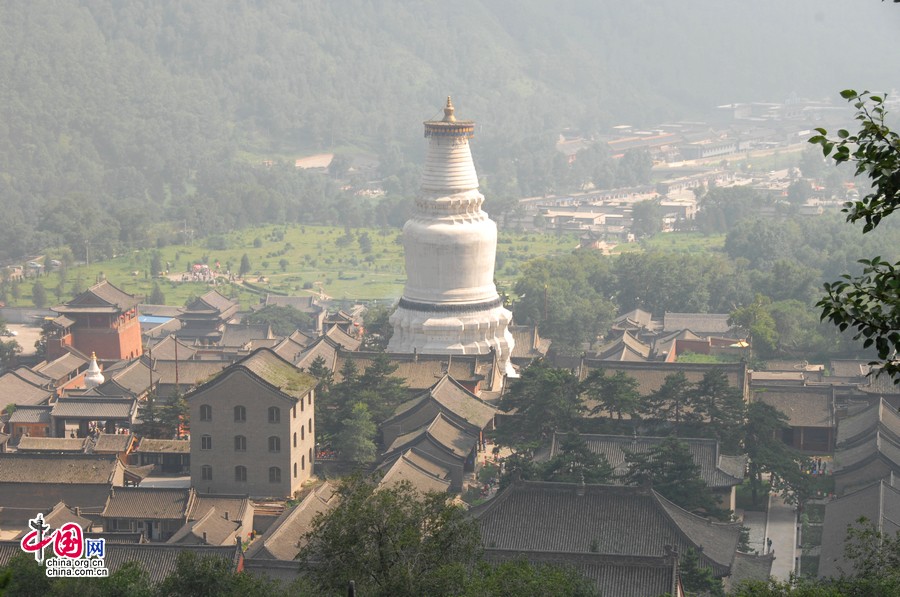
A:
(450, 304)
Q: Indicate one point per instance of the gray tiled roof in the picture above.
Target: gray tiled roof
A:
(527, 343)
(189, 373)
(443, 433)
(112, 442)
(16, 390)
(272, 369)
(345, 341)
(306, 304)
(878, 445)
(450, 397)
(64, 366)
(101, 409)
(134, 376)
(713, 470)
(31, 414)
(241, 334)
(418, 471)
(149, 503)
(621, 576)
(160, 559)
(280, 541)
(860, 426)
(164, 446)
(56, 468)
(421, 371)
(213, 301)
(699, 323)
(565, 517)
(651, 375)
(165, 350)
(33, 377)
(60, 515)
(879, 502)
(99, 295)
(230, 506)
(804, 406)
(749, 567)
(51, 444)
(624, 348)
(290, 348)
(211, 528)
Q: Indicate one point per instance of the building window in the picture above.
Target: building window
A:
(205, 412)
(206, 442)
(274, 444)
(302, 432)
(310, 456)
(309, 398)
(303, 462)
(294, 411)
(206, 472)
(274, 474)
(274, 414)
(295, 470)
(310, 425)
(240, 443)
(240, 414)
(295, 439)
(240, 474)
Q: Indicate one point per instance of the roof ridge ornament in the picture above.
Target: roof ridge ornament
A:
(448, 111)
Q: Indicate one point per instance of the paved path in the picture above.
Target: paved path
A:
(781, 528)
(756, 523)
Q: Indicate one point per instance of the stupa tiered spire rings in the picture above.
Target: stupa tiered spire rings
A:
(450, 304)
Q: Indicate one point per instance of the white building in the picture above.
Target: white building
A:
(450, 304)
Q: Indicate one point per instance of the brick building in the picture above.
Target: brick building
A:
(252, 429)
(103, 320)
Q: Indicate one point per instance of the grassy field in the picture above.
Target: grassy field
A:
(677, 242)
(291, 259)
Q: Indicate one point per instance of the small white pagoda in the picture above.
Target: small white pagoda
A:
(450, 304)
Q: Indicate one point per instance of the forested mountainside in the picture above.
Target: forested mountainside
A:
(121, 117)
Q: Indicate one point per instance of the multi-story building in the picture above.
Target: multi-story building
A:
(252, 429)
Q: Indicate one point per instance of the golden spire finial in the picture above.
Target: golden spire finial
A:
(448, 111)
(93, 355)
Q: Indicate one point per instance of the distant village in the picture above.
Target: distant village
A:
(246, 472)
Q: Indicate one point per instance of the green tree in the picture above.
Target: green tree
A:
(156, 296)
(757, 320)
(575, 463)
(720, 406)
(667, 404)
(244, 268)
(518, 577)
(284, 319)
(9, 350)
(212, 577)
(377, 327)
(356, 439)
(544, 399)
(153, 423)
(697, 579)
(669, 468)
(768, 454)
(868, 303)
(392, 541)
(39, 295)
(616, 393)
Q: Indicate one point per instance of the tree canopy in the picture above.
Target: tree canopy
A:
(868, 303)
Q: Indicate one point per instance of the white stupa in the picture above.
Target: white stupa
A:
(93, 377)
(450, 304)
